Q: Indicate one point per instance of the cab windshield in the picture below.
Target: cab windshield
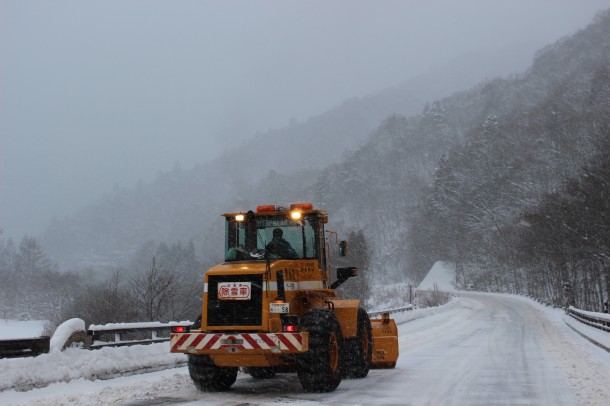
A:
(281, 237)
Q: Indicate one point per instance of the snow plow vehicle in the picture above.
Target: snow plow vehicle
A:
(271, 307)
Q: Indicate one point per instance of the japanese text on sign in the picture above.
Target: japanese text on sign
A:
(234, 290)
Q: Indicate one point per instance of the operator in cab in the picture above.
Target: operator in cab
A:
(279, 247)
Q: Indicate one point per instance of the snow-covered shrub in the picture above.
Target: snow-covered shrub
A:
(431, 298)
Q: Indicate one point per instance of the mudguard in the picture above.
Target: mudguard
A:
(346, 311)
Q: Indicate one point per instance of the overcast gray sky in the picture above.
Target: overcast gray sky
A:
(94, 94)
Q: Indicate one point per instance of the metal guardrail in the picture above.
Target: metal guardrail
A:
(597, 320)
(24, 347)
(391, 311)
(120, 335)
(126, 334)
(117, 335)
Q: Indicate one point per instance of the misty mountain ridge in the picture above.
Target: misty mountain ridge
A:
(309, 162)
(348, 126)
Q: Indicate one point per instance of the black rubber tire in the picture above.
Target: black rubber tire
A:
(358, 351)
(319, 369)
(208, 377)
(261, 372)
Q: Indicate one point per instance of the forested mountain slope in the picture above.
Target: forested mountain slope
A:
(522, 204)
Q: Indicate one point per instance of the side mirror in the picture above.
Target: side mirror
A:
(343, 248)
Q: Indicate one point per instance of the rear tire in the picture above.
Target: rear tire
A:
(358, 351)
(319, 369)
(208, 377)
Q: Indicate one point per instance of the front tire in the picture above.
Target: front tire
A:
(319, 369)
(358, 351)
(208, 377)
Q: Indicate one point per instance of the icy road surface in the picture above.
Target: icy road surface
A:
(486, 350)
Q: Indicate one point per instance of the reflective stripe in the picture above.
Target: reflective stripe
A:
(191, 342)
(302, 285)
(305, 285)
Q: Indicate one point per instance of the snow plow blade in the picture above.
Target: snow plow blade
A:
(385, 342)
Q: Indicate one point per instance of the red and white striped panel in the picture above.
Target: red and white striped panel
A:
(194, 342)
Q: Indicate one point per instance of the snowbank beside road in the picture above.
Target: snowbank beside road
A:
(27, 373)
(418, 313)
(404, 317)
(598, 337)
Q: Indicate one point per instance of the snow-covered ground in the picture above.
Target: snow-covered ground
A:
(478, 349)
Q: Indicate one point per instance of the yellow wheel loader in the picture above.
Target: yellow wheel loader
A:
(271, 307)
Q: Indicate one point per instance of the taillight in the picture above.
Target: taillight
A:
(291, 328)
(290, 324)
(180, 329)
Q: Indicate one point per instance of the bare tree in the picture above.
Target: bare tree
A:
(151, 291)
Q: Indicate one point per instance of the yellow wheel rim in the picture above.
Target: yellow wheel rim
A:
(333, 350)
(365, 345)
